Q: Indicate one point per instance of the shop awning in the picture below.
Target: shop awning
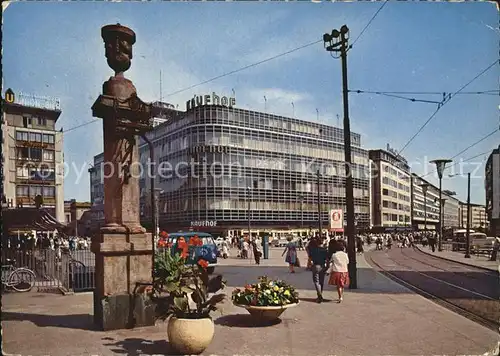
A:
(30, 218)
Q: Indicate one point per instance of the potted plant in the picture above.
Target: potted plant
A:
(267, 299)
(185, 295)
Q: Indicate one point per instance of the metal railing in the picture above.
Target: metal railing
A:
(67, 271)
(44, 263)
(484, 251)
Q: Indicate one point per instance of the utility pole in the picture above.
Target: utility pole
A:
(301, 213)
(319, 204)
(332, 44)
(425, 186)
(467, 233)
(248, 199)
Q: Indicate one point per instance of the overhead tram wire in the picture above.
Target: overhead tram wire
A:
(219, 76)
(476, 143)
(491, 92)
(444, 102)
(444, 94)
(456, 163)
(368, 24)
(468, 148)
(246, 67)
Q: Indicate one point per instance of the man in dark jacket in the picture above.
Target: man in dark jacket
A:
(319, 260)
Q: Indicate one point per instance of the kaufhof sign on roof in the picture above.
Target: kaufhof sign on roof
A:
(214, 99)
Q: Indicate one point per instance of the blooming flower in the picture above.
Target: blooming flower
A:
(203, 263)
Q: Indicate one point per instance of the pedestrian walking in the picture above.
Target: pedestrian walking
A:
(432, 243)
(225, 249)
(257, 250)
(319, 260)
(339, 275)
(291, 254)
(359, 245)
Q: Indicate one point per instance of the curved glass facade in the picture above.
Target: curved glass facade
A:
(218, 163)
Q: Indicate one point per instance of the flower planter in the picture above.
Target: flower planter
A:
(190, 336)
(266, 313)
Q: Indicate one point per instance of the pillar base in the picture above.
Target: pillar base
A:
(123, 266)
(123, 311)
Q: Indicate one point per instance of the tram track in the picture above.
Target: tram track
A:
(473, 305)
(493, 274)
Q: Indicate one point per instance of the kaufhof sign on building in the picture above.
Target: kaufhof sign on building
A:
(214, 99)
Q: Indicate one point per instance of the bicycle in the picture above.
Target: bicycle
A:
(20, 279)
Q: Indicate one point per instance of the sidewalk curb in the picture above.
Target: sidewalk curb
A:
(460, 262)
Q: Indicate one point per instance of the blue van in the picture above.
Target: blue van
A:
(208, 251)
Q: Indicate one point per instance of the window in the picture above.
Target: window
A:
(35, 190)
(23, 152)
(36, 153)
(385, 192)
(49, 192)
(22, 135)
(22, 172)
(48, 155)
(41, 121)
(26, 121)
(22, 191)
(48, 138)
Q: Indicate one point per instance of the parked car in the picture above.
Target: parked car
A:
(480, 241)
(208, 251)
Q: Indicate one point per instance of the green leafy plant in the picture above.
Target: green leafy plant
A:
(182, 290)
(266, 293)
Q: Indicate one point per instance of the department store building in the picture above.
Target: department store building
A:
(219, 168)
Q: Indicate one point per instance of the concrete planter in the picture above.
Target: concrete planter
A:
(190, 336)
(266, 313)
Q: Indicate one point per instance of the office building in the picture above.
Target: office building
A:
(424, 203)
(478, 216)
(221, 167)
(451, 210)
(32, 153)
(390, 190)
(492, 187)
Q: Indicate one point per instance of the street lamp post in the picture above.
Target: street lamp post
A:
(157, 214)
(91, 171)
(248, 201)
(301, 214)
(440, 167)
(467, 231)
(425, 186)
(337, 41)
(320, 225)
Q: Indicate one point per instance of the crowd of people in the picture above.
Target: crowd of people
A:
(47, 241)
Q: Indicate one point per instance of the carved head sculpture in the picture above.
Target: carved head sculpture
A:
(118, 41)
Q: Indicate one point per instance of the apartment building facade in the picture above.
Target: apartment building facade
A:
(478, 216)
(492, 188)
(32, 151)
(390, 190)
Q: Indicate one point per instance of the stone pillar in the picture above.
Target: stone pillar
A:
(123, 249)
